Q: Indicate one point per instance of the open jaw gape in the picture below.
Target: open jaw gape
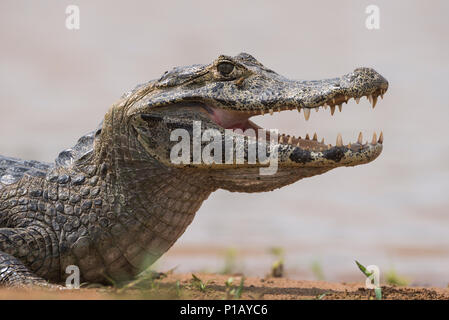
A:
(114, 203)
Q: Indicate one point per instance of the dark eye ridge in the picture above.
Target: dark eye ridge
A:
(225, 68)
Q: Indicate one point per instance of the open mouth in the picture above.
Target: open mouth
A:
(231, 119)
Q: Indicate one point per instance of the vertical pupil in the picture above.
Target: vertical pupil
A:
(225, 68)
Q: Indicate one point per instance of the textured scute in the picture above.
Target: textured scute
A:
(13, 169)
(83, 147)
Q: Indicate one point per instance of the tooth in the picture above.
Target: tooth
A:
(382, 94)
(370, 99)
(306, 114)
(360, 138)
(271, 111)
(329, 146)
(340, 107)
(332, 110)
(281, 139)
(279, 109)
(346, 98)
(325, 107)
(317, 109)
(381, 137)
(307, 137)
(297, 144)
(290, 140)
(339, 140)
(357, 100)
(374, 141)
(299, 109)
(333, 100)
(315, 137)
(374, 101)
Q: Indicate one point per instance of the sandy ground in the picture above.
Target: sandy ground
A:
(182, 286)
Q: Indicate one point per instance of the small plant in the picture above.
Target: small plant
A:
(277, 268)
(369, 274)
(198, 283)
(231, 291)
(317, 270)
(178, 288)
(394, 279)
(320, 296)
(230, 261)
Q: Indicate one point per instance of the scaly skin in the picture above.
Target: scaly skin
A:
(114, 203)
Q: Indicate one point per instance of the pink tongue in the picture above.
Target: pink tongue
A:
(242, 126)
(230, 119)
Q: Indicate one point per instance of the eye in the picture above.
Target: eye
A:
(225, 68)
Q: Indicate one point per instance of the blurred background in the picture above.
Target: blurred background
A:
(56, 84)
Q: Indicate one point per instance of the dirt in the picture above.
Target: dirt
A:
(213, 286)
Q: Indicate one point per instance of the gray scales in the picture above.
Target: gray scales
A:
(114, 203)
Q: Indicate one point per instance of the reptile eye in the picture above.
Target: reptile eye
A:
(225, 68)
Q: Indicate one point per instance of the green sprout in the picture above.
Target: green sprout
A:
(233, 292)
(317, 271)
(392, 278)
(230, 261)
(277, 268)
(377, 290)
(199, 284)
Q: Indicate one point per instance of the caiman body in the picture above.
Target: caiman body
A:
(114, 203)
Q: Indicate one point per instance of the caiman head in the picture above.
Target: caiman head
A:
(225, 94)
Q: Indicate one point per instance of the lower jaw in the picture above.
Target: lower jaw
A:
(236, 120)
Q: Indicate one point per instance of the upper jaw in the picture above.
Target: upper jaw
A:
(279, 94)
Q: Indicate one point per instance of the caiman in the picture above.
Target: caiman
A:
(114, 203)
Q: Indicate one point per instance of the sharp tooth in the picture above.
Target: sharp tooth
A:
(370, 99)
(306, 113)
(346, 98)
(340, 107)
(325, 107)
(329, 146)
(374, 101)
(339, 140)
(290, 140)
(297, 144)
(315, 137)
(333, 100)
(381, 137)
(382, 94)
(281, 139)
(357, 100)
(299, 109)
(374, 141)
(271, 111)
(307, 137)
(332, 110)
(360, 138)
